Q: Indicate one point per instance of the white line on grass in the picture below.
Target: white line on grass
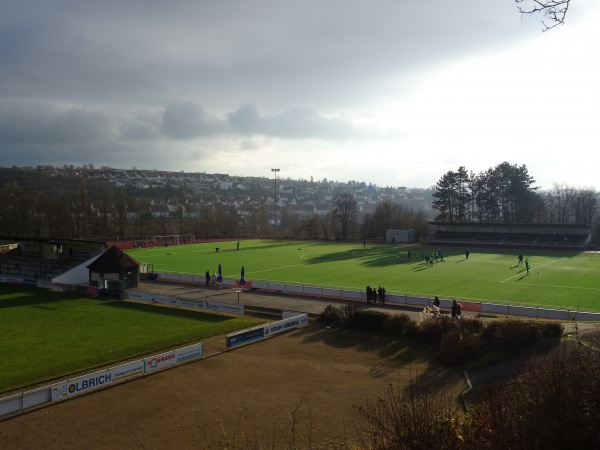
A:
(564, 287)
(276, 268)
(531, 268)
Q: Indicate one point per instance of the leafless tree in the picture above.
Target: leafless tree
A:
(345, 209)
(554, 11)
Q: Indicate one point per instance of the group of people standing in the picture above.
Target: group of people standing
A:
(430, 258)
(375, 295)
(211, 279)
(455, 310)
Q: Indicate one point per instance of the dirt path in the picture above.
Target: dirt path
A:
(252, 389)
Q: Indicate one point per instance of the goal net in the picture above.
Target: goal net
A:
(173, 239)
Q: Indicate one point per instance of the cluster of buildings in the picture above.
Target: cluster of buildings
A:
(168, 191)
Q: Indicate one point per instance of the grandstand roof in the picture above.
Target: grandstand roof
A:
(113, 260)
(520, 225)
(48, 240)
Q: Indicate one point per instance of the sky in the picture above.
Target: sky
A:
(389, 92)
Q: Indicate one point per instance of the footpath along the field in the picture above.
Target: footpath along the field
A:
(269, 302)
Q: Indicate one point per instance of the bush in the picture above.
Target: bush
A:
(489, 332)
(458, 346)
(410, 328)
(395, 324)
(430, 331)
(552, 329)
(553, 405)
(473, 326)
(513, 334)
(331, 314)
(422, 416)
(367, 320)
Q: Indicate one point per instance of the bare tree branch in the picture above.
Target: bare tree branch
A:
(554, 10)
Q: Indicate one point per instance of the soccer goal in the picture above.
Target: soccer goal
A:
(173, 239)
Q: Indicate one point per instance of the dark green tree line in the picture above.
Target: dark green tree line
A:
(507, 194)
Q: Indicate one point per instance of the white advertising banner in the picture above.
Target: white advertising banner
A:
(231, 308)
(96, 380)
(286, 324)
(104, 378)
(167, 359)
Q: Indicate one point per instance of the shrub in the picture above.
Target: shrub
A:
(430, 331)
(458, 346)
(367, 320)
(331, 314)
(423, 416)
(552, 329)
(349, 310)
(410, 328)
(394, 324)
(512, 334)
(473, 326)
(553, 405)
(489, 332)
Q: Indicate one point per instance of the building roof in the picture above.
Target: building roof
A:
(113, 260)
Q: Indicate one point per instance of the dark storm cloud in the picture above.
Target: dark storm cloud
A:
(189, 121)
(40, 123)
(151, 83)
(294, 123)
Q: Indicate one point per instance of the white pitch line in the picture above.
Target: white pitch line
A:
(564, 287)
(531, 268)
(276, 268)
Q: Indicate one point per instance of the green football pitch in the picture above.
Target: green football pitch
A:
(48, 334)
(557, 279)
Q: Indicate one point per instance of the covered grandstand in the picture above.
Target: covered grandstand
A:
(539, 236)
(45, 258)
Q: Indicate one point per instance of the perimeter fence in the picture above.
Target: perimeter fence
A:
(482, 308)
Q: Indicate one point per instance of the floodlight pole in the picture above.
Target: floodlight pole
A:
(275, 204)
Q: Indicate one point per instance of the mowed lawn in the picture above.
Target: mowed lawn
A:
(45, 334)
(557, 279)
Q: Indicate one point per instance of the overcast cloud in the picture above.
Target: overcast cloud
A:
(386, 91)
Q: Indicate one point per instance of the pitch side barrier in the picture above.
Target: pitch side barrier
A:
(230, 308)
(418, 302)
(271, 329)
(98, 380)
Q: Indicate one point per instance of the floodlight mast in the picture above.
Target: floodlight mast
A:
(275, 204)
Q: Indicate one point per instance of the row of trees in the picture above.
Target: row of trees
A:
(503, 194)
(507, 194)
(105, 212)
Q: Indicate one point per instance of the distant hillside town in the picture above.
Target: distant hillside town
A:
(170, 201)
(300, 198)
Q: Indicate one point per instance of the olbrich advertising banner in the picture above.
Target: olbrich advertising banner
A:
(104, 378)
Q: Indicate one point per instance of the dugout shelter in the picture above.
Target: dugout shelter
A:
(399, 236)
(114, 270)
